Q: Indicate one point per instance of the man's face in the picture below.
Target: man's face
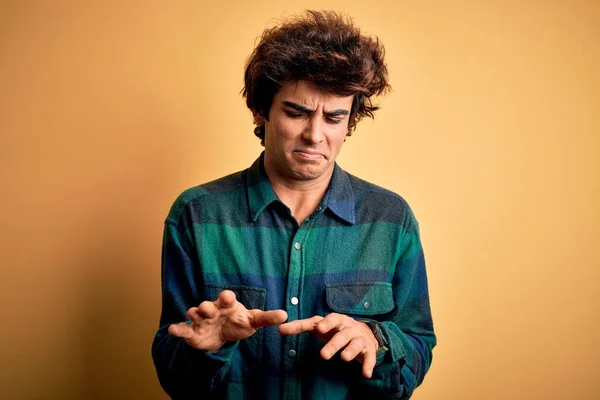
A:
(305, 132)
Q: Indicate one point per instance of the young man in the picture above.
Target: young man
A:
(295, 238)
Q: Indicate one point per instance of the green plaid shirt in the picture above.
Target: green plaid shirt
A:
(358, 254)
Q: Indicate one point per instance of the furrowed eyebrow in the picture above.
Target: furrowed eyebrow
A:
(336, 113)
(298, 107)
(301, 108)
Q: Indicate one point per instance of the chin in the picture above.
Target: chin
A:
(305, 174)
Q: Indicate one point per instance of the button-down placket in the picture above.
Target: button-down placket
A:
(293, 304)
(293, 296)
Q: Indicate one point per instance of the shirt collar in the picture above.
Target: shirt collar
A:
(260, 191)
(339, 197)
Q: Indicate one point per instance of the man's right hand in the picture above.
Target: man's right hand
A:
(224, 320)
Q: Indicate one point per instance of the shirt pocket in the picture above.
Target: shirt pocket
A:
(360, 298)
(248, 359)
(251, 297)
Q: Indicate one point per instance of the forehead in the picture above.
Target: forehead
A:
(309, 95)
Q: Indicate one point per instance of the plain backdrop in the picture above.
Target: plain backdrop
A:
(109, 109)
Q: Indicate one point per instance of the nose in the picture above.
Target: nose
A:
(313, 131)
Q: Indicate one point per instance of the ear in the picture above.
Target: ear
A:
(258, 118)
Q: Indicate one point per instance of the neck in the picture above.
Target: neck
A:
(301, 196)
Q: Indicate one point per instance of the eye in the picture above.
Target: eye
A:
(334, 120)
(295, 115)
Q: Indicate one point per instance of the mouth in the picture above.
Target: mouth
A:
(308, 154)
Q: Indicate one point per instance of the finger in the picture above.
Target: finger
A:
(354, 348)
(193, 316)
(300, 325)
(226, 299)
(337, 342)
(332, 321)
(181, 330)
(206, 310)
(370, 358)
(267, 318)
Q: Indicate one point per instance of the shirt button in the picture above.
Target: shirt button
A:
(318, 208)
(366, 305)
(297, 245)
(294, 300)
(292, 353)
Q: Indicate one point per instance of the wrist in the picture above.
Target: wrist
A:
(224, 353)
(216, 349)
(211, 350)
(377, 332)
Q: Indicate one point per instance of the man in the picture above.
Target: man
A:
(295, 238)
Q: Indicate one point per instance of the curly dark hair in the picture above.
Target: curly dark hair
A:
(323, 48)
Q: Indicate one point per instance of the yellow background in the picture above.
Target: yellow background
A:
(109, 109)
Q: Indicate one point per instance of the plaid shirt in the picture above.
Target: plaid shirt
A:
(358, 254)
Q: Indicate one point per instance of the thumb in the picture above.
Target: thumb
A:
(267, 318)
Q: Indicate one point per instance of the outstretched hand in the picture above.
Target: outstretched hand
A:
(224, 320)
(339, 332)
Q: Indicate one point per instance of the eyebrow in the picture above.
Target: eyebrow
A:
(301, 108)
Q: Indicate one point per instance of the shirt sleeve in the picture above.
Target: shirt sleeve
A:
(182, 370)
(409, 327)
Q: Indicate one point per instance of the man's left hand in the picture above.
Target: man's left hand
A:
(338, 332)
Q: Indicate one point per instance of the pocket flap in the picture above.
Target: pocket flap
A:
(251, 297)
(364, 298)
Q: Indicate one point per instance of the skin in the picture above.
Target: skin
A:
(304, 133)
(339, 332)
(213, 323)
(303, 136)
